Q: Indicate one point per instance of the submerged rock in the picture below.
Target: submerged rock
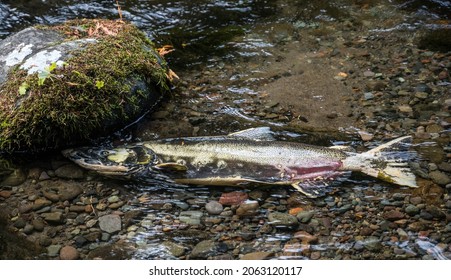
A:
(66, 84)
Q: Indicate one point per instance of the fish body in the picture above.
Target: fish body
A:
(246, 157)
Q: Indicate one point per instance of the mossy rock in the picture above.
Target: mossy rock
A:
(63, 85)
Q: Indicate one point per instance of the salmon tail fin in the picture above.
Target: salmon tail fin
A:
(388, 162)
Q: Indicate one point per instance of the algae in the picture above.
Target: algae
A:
(98, 89)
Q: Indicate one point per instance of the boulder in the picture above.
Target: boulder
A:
(62, 85)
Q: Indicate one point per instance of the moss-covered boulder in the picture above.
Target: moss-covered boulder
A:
(62, 85)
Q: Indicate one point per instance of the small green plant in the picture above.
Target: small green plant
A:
(100, 84)
(23, 88)
(43, 75)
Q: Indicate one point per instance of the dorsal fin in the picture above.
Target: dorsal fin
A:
(263, 133)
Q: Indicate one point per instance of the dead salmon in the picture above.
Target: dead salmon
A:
(249, 157)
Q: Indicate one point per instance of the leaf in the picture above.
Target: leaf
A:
(23, 88)
(42, 76)
(100, 84)
(51, 67)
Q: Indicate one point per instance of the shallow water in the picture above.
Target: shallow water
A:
(227, 52)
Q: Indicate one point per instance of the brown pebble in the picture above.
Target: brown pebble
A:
(393, 215)
(69, 253)
(5, 194)
(305, 237)
(233, 198)
(315, 255)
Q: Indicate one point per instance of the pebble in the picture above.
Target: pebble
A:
(70, 171)
(53, 217)
(69, 253)
(372, 244)
(175, 249)
(440, 178)
(214, 207)
(248, 208)
(305, 237)
(28, 229)
(38, 224)
(282, 219)
(393, 215)
(191, 217)
(110, 223)
(53, 250)
(5, 194)
(203, 250)
(412, 210)
(366, 136)
(257, 256)
(233, 198)
(19, 223)
(305, 216)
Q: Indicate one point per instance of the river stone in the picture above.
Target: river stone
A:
(60, 190)
(282, 219)
(440, 178)
(372, 244)
(16, 178)
(203, 250)
(305, 216)
(256, 256)
(175, 249)
(412, 210)
(53, 250)
(53, 217)
(70, 171)
(110, 223)
(248, 208)
(69, 253)
(214, 207)
(100, 86)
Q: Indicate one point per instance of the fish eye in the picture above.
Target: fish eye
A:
(104, 153)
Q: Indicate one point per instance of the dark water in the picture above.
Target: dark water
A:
(211, 34)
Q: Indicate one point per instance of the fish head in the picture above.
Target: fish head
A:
(119, 161)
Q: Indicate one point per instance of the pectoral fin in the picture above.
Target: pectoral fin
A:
(171, 166)
(312, 189)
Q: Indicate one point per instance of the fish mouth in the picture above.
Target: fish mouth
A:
(111, 162)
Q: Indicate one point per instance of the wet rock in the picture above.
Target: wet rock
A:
(233, 198)
(38, 224)
(69, 171)
(175, 249)
(16, 178)
(203, 250)
(282, 219)
(60, 190)
(80, 241)
(440, 178)
(191, 217)
(33, 50)
(19, 223)
(305, 216)
(257, 256)
(5, 194)
(372, 244)
(110, 223)
(110, 252)
(214, 207)
(248, 208)
(28, 229)
(40, 203)
(393, 215)
(305, 237)
(53, 217)
(53, 250)
(412, 210)
(69, 253)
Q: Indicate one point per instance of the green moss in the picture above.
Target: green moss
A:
(88, 95)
